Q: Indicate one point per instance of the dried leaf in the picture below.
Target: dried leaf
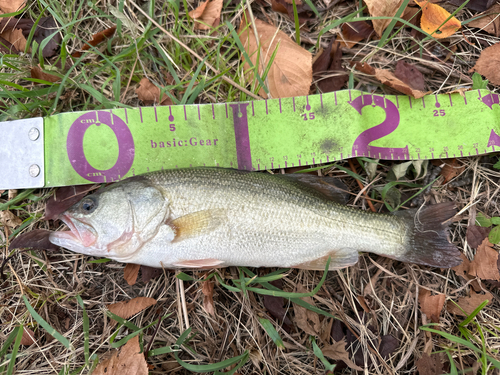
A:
(37, 239)
(9, 219)
(64, 198)
(487, 64)
(388, 344)
(275, 307)
(15, 37)
(431, 306)
(477, 5)
(28, 338)
(207, 288)
(304, 12)
(382, 8)
(148, 273)
(128, 361)
(129, 308)
(149, 93)
(291, 71)
(305, 319)
(490, 22)
(207, 14)
(7, 47)
(130, 273)
(11, 6)
(433, 17)
(468, 304)
(451, 169)
(354, 32)
(484, 264)
(410, 75)
(96, 39)
(389, 79)
(37, 72)
(337, 352)
(476, 235)
(430, 365)
(330, 62)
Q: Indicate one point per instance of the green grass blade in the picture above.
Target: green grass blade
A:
(297, 23)
(164, 350)
(271, 331)
(384, 38)
(474, 313)
(17, 343)
(86, 330)
(318, 353)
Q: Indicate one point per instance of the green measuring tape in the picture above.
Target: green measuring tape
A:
(109, 145)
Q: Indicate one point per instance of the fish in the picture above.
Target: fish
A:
(203, 218)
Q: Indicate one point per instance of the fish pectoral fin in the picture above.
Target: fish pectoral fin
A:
(199, 263)
(341, 258)
(197, 223)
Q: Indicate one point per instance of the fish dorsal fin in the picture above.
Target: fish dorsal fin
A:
(330, 187)
(339, 259)
(199, 263)
(197, 223)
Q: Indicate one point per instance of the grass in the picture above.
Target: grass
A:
(61, 295)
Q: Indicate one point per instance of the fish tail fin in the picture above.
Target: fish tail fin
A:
(429, 244)
(339, 259)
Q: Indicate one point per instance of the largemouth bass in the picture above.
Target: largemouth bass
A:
(209, 217)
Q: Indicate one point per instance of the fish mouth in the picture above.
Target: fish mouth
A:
(79, 231)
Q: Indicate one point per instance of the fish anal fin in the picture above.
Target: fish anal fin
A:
(339, 259)
(196, 224)
(199, 263)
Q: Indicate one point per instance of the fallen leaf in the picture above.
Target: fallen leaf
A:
(28, 338)
(37, 239)
(468, 304)
(431, 306)
(354, 32)
(433, 16)
(96, 39)
(430, 365)
(382, 8)
(487, 64)
(129, 308)
(275, 307)
(7, 47)
(329, 64)
(337, 352)
(304, 11)
(207, 288)
(484, 264)
(127, 361)
(290, 73)
(15, 37)
(412, 15)
(148, 273)
(389, 79)
(476, 235)
(149, 93)
(11, 6)
(37, 72)
(130, 273)
(410, 75)
(9, 219)
(388, 344)
(477, 5)
(207, 14)
(489, 22)
(64, 198)
(451, 169)
(305, 319)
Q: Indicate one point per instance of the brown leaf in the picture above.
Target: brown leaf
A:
(490, 22)
(412, 15)
(477, 5)
(291, 71)
(305, 319)
(431, 306)
(148, 273)
(9, 219)
(11, 6)
(129, 308)
(304, 12)
(410, 75)
(354, 32)
(37, 239)
(96, 39)
(452, 168)
(388, 344)
(28, 338)
(149, 93)
(7, 47)
(430, 365)
(468, 304)
(484, 264)
(382, 8)
(64, 198)
(15, 37)
(487, 64)
(130, 273)
(330, 62)
(275, 307)
(207, 14)
(337, 352)
(37, 72)
(128, 361)
(476, 235)
(207, 289)
(389, 79)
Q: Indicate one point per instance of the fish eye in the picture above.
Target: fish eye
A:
(88, 205)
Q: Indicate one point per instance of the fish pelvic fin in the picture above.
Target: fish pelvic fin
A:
(429, 244)
(197, 223)
(199, 263)
(341, 258)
